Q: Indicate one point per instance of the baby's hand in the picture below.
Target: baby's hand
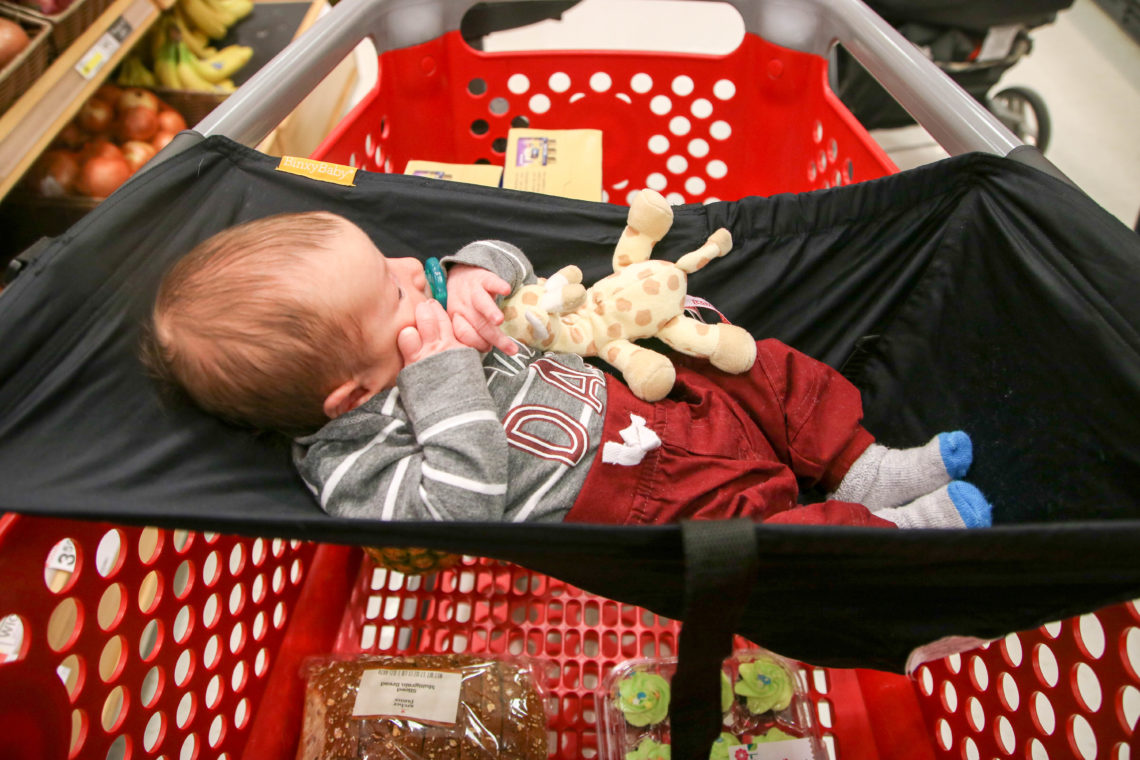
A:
(431, 335)
(475, 317)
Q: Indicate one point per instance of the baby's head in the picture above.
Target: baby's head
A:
(283, 322)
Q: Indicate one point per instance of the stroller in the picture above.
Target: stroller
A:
(975, 44)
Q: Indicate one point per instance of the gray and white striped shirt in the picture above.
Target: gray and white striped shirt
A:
(464, 436)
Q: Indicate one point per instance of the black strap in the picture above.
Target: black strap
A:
(720, 567)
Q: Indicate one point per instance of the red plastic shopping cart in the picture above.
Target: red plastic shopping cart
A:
(127, 642)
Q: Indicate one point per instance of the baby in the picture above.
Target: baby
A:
(401, 411)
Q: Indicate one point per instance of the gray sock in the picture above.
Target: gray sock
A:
(956, 505)
(883, 477)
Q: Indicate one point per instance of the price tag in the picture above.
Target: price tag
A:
(100, 53)
(428, 695)
(792, 749)
(63, 556)
(11, 637)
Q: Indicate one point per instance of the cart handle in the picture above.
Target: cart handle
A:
(957, 121)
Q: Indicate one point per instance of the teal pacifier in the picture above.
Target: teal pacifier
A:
(437, 280)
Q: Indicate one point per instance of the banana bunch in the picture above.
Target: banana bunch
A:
(177, 68)
(134, 73)
(212, 18)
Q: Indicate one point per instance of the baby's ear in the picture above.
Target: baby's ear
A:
(344, 398)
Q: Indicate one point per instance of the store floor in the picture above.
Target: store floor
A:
(1084, 65)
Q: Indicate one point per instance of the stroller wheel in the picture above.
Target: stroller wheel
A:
(1024, 112)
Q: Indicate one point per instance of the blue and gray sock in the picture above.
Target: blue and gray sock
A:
(882, 478)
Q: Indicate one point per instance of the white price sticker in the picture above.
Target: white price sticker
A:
(790, 749)
(103, 49)
(63, 556)
(11, 637)
(428, 695)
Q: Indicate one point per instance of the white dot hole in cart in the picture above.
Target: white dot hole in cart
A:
(1020, 697)
(143, 619)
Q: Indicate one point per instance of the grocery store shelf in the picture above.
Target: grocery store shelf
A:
(33, 121)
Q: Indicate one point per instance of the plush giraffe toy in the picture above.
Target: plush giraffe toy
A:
(643, 298)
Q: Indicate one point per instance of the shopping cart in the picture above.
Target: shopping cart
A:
(188, 644)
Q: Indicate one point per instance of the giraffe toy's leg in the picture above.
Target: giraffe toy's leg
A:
(718, 244)
(525, 320)
(728, 347)
(647, 373)
(650, 217)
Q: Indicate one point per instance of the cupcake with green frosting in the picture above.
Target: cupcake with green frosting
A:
(643, 699)
(720, 747)
(765, 685)
(650, 749)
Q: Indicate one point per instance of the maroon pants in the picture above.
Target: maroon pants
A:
(734, 446)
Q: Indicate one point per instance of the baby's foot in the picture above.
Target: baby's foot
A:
(955, 505)
(883, 478)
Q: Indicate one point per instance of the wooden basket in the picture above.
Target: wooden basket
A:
(26, 68)
(72, 22)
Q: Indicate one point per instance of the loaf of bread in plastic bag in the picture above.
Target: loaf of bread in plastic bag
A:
(498, 713)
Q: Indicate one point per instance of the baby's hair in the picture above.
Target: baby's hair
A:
(234, 329)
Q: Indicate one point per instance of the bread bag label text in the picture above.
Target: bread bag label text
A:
(427, 695)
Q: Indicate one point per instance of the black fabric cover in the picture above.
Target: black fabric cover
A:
(1004, 302)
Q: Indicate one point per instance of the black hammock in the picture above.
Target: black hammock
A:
(974, 293)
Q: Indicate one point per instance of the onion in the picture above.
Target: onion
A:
(136, 153)
(138, 123)
(13, 40)
(101, 147)
(134, 97)
(170, 120)
(54, 173)
(72, 136)
(160, 140)
(101, 176)
(96, 115)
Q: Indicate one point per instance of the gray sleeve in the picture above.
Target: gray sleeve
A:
(504, 259)
(451, 464)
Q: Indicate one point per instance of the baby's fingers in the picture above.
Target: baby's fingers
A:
(409, 344)
(468, 335)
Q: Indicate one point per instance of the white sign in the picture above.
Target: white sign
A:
(791, 749)
(428, 695)
(11, 637)
(63, 556)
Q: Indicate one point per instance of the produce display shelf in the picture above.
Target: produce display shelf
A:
(33, 121)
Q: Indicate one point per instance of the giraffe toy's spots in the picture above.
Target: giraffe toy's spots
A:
(651, 286)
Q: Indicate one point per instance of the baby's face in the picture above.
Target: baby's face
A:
(381, 294)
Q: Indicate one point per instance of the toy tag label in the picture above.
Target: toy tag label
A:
(791, 749)
(693, 304)
(427, 695)
(322, 171)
